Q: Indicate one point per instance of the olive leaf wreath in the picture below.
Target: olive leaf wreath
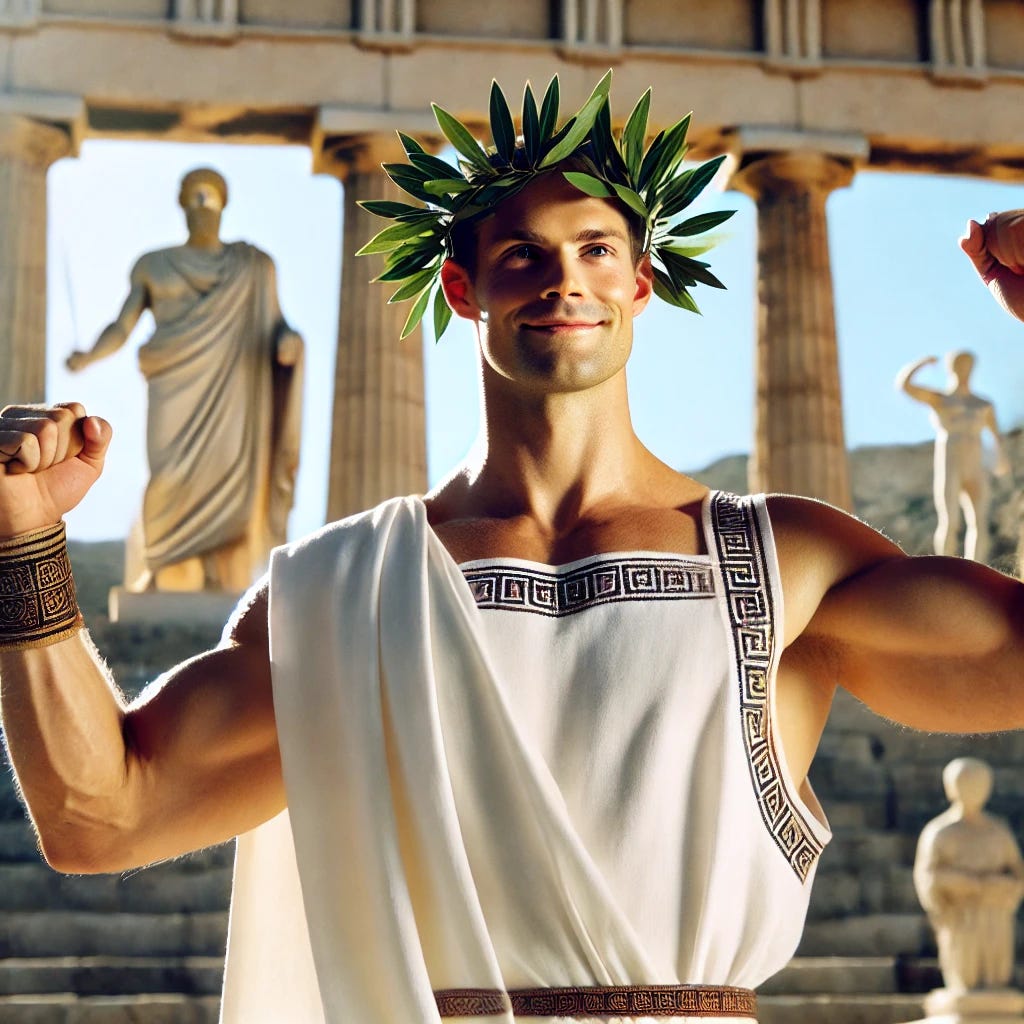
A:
(648, 181)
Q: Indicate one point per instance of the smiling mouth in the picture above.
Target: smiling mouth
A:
(561, 326)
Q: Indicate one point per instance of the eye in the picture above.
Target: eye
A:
(522, 252)
(600, 249)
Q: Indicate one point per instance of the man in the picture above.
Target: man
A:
(960, 473)
(544, 732)
(225, 392)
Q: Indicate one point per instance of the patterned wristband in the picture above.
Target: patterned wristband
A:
(37, 591)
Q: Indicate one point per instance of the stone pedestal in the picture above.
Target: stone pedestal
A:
(169, 608)
(27, 149)
(991, 1006)
(378, 434)
(799, 445)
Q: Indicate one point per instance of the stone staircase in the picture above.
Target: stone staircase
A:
(867, 954)
(147, 947)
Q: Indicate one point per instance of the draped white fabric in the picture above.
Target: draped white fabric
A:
(435, 845)
(224, 417)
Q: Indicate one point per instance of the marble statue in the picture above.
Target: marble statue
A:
(969, 876)
(224, 374)
(961, 477)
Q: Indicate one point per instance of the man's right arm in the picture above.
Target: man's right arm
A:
(111, 785)
(905, 382)
(115, 334)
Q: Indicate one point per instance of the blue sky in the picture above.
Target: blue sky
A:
(902, 289)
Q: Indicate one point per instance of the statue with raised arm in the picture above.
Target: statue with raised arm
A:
(969, 876)
(961, 477)
(224, 372)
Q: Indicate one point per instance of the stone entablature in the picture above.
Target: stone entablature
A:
(968, 37)
(933, 86)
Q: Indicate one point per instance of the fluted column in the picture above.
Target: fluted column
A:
(378, 438)
(27, 149)
(799, 446)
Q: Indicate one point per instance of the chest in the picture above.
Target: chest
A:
(676, 530)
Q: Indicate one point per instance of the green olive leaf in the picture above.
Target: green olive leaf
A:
(413, 286)
(632, 200)
(588, 183)
(701, 223)
(531, 126)
(503, 132)
(549, 109)
(390, 238)
(415, 314)
(582, 124)
(459, 136)
(634, 134)
(442, 314)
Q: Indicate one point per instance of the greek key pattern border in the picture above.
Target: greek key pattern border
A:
(601, 582)
(748, 598)
(600, 1001)
(37, 590)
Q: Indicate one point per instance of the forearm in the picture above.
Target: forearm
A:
(111, 339)
(63, 721)
(905, 378)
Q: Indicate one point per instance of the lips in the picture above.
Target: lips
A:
(554, 326)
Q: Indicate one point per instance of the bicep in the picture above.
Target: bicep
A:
(933, 643)
(201, 746)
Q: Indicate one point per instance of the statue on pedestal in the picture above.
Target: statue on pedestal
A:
(969, 876)
(224, 372)
(961, 477)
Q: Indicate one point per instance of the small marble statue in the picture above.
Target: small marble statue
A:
(969, 876)
(224, 372)
(961, 477)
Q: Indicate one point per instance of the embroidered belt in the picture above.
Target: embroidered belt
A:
(600, 1001)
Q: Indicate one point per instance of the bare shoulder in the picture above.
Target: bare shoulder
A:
(820, 547)
(248, 626)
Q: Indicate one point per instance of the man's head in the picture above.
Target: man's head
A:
(646, 183)
(960, 366)
(203, 196)
(968, 783)
(554, 289)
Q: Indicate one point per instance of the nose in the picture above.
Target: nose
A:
(561, 279)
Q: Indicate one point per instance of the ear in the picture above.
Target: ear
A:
(458, 290)
(644, 284)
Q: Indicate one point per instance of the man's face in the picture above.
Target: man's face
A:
(203, 206)
(556, 288)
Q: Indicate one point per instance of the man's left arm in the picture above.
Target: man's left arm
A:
(930, 642)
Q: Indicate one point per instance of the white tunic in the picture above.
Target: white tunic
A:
(546, 777)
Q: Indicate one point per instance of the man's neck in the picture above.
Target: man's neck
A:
(554, 457)
(204, 242)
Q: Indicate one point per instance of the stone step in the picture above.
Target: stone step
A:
(835, 975)
(839, 1009)
(111, 976)
(869, 935)
(864, 849)
(91, 933)
(851, 892)
(67, 1008)
(850, 815)
(186, 886)
(18, 841)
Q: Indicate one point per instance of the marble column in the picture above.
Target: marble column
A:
(799, 446)
(378, 438)
(27, 149)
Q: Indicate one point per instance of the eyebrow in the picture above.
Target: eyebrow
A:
(516, 234)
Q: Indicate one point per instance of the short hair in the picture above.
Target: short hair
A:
(465, 233)
(203, 176)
